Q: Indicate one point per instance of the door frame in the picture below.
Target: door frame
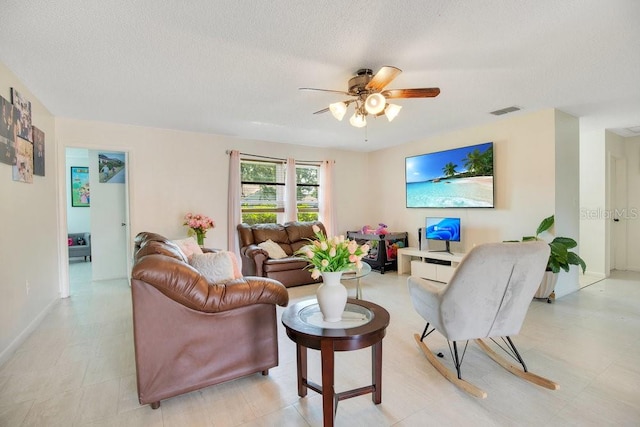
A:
(63, 252)
(617, 209)
(620, 213)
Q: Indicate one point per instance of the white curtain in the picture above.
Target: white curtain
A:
(327, 206)
(233, 204)
(290, 208)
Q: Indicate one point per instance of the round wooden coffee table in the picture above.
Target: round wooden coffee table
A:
(364, 325)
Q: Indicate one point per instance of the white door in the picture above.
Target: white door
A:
(109, 219)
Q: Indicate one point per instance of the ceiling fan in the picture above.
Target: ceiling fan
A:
(368, 94)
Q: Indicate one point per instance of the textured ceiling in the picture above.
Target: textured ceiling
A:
(234, 67)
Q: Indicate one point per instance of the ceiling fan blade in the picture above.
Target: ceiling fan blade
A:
(325, 90)
(324, 110)
(427, 92)
(382, 78)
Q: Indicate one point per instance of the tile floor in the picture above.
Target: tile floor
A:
(77, 369)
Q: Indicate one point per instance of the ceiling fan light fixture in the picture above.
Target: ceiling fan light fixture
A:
(392, 111)
(338, 109)
(375, 103)
(358, 120)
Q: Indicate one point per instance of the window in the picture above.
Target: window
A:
(263, 191)
(262, 185)
(307, 185)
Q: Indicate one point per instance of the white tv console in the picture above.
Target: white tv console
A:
(437, 266)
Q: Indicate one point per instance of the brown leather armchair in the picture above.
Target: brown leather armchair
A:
(190, 333)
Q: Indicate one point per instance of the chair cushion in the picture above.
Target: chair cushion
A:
(216, 267)
(188, 246)
(300, 231)
(273, 249)
(285, 264)
(274, 232)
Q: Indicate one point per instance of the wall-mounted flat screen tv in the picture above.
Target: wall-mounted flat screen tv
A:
(457, 178)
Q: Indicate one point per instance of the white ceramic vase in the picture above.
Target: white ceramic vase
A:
(332, 296)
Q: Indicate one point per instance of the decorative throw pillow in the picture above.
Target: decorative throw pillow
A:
(216, 267)
(188, 246)
(273, 249)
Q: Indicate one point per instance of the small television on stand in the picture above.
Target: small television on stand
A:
(443, 229)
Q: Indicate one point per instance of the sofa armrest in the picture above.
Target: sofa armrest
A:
(183, 283)
(253, 258)
(253, 251)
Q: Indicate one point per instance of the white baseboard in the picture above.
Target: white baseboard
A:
(594, 274)
(11, 348)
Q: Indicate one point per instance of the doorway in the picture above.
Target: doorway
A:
(105, 216)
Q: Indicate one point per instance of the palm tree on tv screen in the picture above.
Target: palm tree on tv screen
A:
(478, 163)
(473, 161)
(449, 169)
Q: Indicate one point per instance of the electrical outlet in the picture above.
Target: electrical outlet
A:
(28, 286)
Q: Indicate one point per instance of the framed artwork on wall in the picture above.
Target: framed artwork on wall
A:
(111, 167)
(38, 151)
(80, 195)
(23, 169)
(8, 114)
(23, 123)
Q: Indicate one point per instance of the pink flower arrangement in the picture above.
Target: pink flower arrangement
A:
(198, 223)
(332, 254)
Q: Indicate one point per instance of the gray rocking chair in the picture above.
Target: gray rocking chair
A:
(487, 297)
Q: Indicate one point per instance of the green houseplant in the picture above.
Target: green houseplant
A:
(560, 257)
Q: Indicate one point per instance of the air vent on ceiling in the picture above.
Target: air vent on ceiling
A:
(505, 110)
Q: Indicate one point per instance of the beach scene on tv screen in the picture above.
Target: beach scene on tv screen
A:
(458, 178)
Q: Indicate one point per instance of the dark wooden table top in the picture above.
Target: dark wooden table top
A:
(344, 338)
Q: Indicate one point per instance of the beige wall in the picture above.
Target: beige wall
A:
(29, 249)
(524, 157)
(592, 197)
(567, 197)
(173, 172)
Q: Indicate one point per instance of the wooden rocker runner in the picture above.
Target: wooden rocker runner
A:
(487, 297)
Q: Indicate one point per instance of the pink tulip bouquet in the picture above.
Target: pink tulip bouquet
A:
(332, 254)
